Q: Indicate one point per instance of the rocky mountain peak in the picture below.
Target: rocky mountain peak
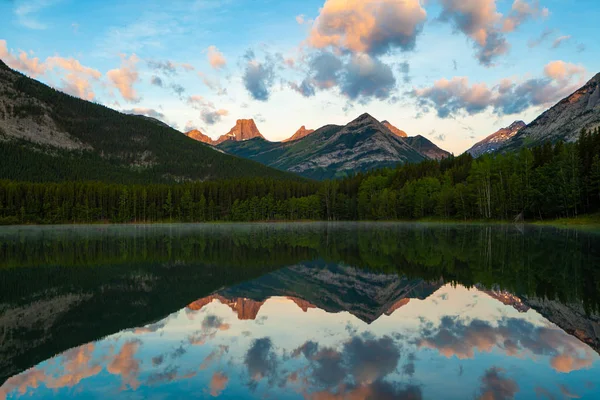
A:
(394, 130)
(199, 136)
(516, 125)
(300, 133)
(244, 129)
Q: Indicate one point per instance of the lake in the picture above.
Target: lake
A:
(299, 311)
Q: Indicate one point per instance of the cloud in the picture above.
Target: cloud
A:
(156, 81)
(168, 67)
(213, 84)
(178, 90)
(216, 58)
(521, 12)
(366, 77)
(214, 322)
(259, 77)
(371, 360)
(358, 77)
(75, 365)
(560, 40)
(380, 390)
(368, 26)
(485, 26)
(563, 71)
(210, 115)
(455, 338)
(497, 387)
(218, 383)
(214, 355)
(125, 77)
(260, 360)
(149, 112)
(300, 19)
(30, 66)
(77, 81)
(125, 365)
(457, 96)
(26, 13)
(540, 39)
(404, 69)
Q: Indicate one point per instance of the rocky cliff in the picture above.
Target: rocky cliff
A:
(244, 129)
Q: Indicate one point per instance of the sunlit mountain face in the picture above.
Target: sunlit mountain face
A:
(329, 315)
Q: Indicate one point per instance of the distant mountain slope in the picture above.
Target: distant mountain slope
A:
(46, 135)
(419, 143)
(427, 147)
(300, 133)
(565, 120)
(332, 151)
(496, 139)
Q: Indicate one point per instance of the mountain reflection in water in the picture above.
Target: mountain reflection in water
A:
(349, 316)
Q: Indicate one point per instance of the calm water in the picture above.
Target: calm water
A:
(310, 311)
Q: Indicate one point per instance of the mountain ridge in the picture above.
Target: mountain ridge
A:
(47, 135)
(331, 151)
(563, 121)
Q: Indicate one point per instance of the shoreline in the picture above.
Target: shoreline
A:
(591, 222)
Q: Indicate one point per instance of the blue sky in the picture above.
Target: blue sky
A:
(452, 70)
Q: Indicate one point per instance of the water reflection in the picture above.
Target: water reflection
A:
(428, 317)
(454, 343)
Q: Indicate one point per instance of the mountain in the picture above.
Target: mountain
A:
(333, 288)
(394, 130)
(564, 121)
(199, 136)
(244, 129)
(426, 147)
(496, 139)
(300, 133)
(46, 135)
(332, 151)
(419, 143)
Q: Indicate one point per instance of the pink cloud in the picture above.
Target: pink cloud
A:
(367, 26)
(125, 77)
(216, 58)
(22, 62)
(218, 383)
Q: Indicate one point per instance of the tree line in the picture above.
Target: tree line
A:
(548, 181)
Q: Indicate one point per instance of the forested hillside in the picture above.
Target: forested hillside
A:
(549, 181)
(47, 135)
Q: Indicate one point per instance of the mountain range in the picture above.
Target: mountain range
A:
(332, 151)
(368, 295)
(46, 135)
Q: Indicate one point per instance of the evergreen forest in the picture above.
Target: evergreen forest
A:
(545, 182)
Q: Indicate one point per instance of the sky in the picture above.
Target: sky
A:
(454, 71)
